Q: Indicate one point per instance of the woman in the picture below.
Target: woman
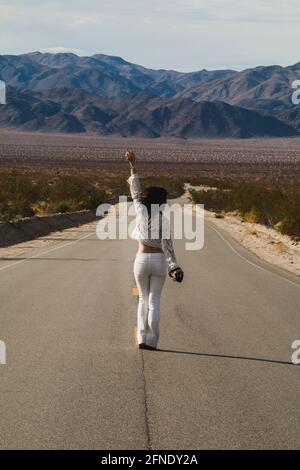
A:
(155, 254)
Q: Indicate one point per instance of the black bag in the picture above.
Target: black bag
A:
(178, 275)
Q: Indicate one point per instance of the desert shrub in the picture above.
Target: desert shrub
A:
(23, 196)
(289, 224)
(74, 193)
(18, 194)
(197, 180)
(273, 206)
(60, 207)
(213, 199)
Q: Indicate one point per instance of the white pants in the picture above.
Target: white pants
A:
(150, 273)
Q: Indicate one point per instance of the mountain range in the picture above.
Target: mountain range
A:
(110, 96)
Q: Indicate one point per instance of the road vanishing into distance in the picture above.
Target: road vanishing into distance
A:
(222, 378)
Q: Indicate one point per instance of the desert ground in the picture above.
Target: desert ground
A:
(271, 159)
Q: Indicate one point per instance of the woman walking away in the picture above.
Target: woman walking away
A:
(155, 255)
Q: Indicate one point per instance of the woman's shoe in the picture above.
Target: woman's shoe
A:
(142, 346)
(151, 348)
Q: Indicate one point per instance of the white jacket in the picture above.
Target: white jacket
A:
(156, 225)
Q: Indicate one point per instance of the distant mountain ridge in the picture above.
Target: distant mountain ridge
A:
(265, 89)
(106, 76)
(139, 114)
(108, 95)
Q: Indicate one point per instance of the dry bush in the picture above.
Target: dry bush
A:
(273, 207)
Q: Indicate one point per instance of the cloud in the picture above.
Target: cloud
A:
(55, 50)
(182, 34)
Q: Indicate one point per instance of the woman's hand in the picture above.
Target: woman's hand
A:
(179, 271)
(130, 157)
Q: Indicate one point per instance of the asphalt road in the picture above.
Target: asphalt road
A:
(222, 378)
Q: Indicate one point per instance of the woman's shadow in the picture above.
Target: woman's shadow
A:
(224, 356)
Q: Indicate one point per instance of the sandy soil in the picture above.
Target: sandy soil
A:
(54, 238)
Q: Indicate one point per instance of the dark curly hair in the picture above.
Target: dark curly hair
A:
(154, 195)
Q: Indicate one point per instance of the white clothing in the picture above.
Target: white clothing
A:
(150, 274)
(152, 231)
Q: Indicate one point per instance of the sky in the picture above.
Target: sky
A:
(185, 35)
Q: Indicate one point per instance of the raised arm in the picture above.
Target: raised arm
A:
(130, 157)
(133, 180)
